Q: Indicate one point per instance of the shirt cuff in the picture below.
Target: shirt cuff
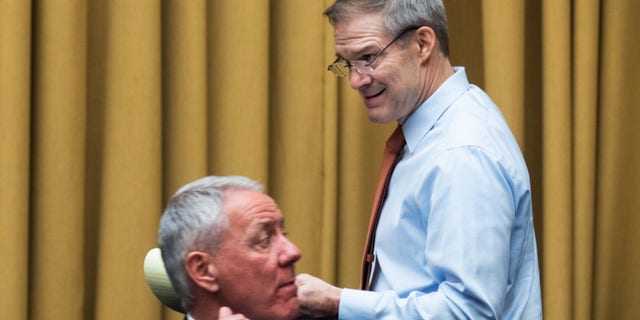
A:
(357, 304)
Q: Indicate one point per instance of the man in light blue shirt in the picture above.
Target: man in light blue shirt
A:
(455, 238)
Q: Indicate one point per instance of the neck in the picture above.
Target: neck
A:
(204, 315)
(204, 310)
(437, 73)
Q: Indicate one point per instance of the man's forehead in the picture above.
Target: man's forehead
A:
(358, 34)
(250, 204)
(258, 210)
(359, 26)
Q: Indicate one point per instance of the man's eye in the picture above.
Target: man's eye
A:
(265, 241)
(368, 58)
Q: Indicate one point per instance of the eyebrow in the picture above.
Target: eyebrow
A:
(266, 223)
(359, 52)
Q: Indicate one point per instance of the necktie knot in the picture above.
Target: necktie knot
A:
(396, 141)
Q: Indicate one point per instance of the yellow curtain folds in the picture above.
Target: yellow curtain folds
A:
(108, 106)
(563, 74)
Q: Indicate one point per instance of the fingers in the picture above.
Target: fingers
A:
(225, 313)
(301, 279)
(317, 298)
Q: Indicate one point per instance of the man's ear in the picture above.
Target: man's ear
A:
(427, 42)
(202, 270)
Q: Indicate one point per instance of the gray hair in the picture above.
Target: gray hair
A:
(194, 220)
(398, 15)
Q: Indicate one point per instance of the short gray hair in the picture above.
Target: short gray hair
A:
(398, 15)
(193, 220)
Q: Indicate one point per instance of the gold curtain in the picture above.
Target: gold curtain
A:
(108, 106)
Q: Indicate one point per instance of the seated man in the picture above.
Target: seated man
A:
(225, 250)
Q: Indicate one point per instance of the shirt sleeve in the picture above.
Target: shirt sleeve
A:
(468, 203)
(366, 305)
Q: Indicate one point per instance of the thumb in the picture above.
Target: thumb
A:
(224, 312)
(301, 279)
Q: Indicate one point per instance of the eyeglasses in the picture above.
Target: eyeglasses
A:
(341, 67)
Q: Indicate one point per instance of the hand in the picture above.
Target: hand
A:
(225, 313)
(317, 298)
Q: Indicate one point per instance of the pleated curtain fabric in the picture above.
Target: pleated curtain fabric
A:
(107, 107)
(390, 157)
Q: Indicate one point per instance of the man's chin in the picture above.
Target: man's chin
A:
(379, 114)
(288, 310)
(379, 118)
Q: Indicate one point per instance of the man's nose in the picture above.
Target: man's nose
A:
(358, 80)
(290, 252)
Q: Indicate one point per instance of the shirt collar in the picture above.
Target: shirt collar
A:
(422, 120)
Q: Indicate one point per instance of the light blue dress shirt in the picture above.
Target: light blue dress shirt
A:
(456, 237)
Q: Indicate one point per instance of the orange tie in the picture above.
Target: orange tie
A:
(389, 160)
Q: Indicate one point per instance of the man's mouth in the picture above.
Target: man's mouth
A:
(368, 97)
(288, 289)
